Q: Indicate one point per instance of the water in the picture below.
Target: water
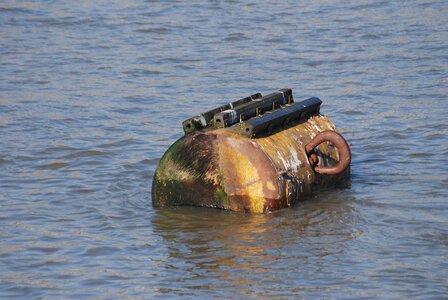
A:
(92, 94)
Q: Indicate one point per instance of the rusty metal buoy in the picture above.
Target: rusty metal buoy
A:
(256, 154)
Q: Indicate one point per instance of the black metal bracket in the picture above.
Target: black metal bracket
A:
(290, 113)
(205, 119)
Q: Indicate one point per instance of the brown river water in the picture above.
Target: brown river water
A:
(92, 93)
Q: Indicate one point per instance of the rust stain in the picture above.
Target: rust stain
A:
(248, 174)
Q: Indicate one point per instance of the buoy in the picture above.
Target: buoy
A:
(256, 154)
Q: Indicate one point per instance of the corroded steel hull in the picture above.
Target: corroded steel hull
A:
(221, 168)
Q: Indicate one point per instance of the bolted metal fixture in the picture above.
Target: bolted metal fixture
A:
(251, 109)
(204, 120)
(283, 116)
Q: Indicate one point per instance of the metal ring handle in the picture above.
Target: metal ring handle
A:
(341, 145)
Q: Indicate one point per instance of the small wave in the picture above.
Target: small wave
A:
(374, 5)
(100, 251)
(53, 149)
(67, 21)
(353, 112)
(120, 143)
(14, 10)
(314, 63)
(420, 154)
(84, 190)
(5, 161)
(370, 37)
(87, 153)
(235, 37)
(275, 40)
(143, 72)
(159, 30)
(53, 166)
(45, 250)
(182, 60)
(152, 161)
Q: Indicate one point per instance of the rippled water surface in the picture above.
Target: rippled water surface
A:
(93, 92)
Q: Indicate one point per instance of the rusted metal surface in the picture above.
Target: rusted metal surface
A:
(223, 169)
(234, 158)
(337, 141)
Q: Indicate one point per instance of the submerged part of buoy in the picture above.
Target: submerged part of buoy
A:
(260, 163)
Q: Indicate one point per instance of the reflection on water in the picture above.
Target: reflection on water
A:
(245, 252)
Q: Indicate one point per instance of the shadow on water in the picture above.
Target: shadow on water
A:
(241, 250)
